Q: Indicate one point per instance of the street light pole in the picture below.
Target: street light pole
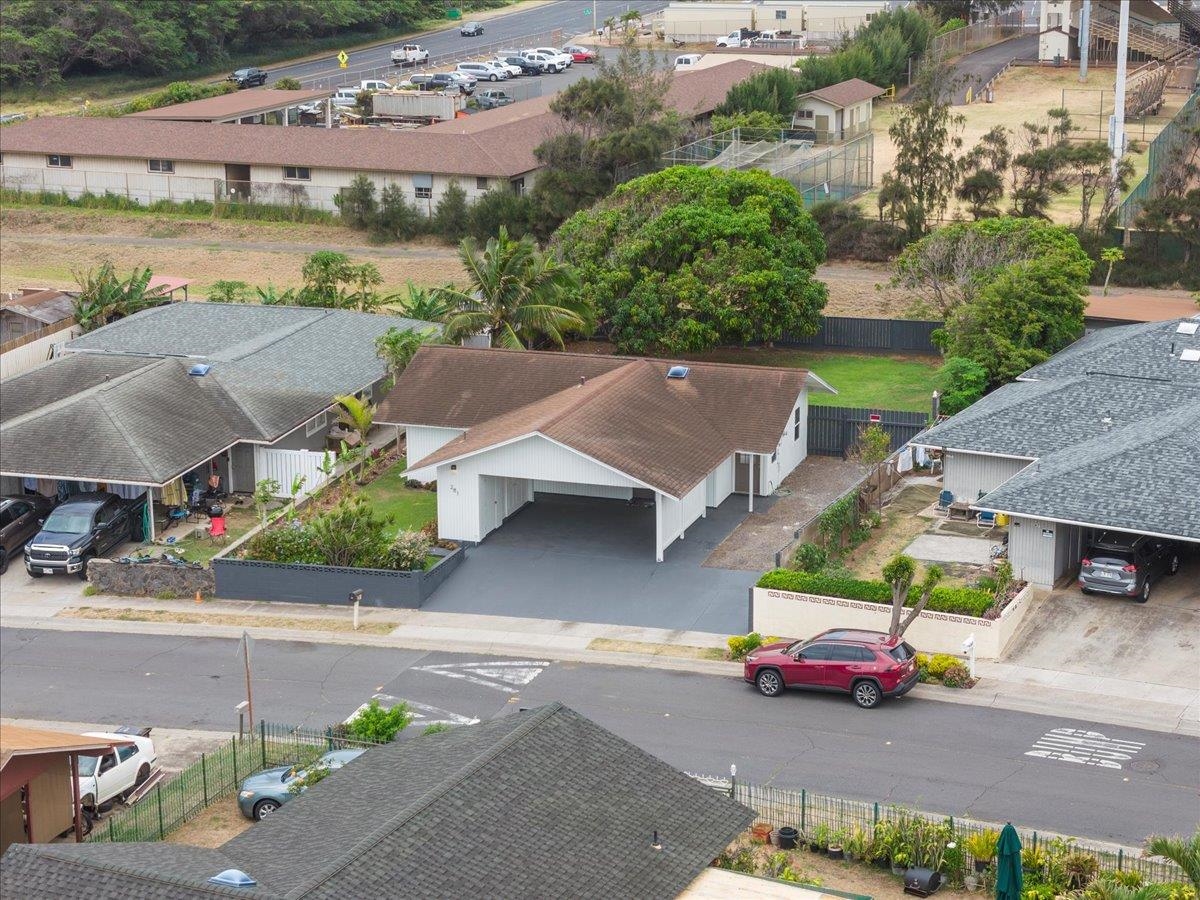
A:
(1116, 130)
(1085, 23)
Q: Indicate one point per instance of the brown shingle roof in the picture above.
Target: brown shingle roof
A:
(237, 103)
(846, 93)
(666, 433)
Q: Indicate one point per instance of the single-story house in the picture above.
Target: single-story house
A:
(39, 783)
(838, 112)
(238, 390)
(1103, 436)
(536, 804)
(264, 106)
(147, 159)
(494, 428)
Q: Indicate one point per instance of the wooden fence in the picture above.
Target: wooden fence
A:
(851, 333)
(833, 430)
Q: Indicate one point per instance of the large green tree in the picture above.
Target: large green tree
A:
(687, 258)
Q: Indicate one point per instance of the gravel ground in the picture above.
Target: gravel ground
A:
(816, 483)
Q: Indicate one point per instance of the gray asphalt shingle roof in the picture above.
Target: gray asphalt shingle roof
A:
(1114, 424)
(539, 804)
(120, 406)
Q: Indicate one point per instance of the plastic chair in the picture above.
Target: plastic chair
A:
(216, 529)
(945, 498)
(986, 519)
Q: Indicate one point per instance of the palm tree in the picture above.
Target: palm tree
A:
(357, 415)
(1184, 852)
(425, 304)
(103, 297)
(1108, 889)
(515, 294)
(398, 346)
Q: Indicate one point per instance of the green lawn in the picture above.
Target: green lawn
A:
(411, 508)
(861, 380)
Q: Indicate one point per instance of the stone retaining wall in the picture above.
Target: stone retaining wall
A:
(150, 579)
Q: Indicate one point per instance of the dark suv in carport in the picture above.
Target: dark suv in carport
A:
(1126, 564)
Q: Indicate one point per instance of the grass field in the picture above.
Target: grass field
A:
(412, 508)
(861, 380)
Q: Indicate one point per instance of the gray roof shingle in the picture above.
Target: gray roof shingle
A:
(538, 804)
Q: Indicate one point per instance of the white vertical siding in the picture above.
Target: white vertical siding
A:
(611, 492)
(421, 440)
(789, 452)
(970, 475)
(719, 483)
(458, 505)
(1031, 549)
(285, 465)
(677, 515)
(537, 457)
(28, 356)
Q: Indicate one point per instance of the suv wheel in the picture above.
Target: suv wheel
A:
(264, 808)
(866, 694)
(769, 682)
(493, 77)
(1145, 594)
(1173, 566)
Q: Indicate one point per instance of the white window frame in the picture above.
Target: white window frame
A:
(296, 176)
(481, 183)
(427, 195)
(165, 166)
(805, 114)
(55, 161)
(780, 15)
(316, 424)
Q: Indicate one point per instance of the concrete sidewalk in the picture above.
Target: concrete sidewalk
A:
(1001, 685)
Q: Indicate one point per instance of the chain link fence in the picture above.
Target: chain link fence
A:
(1171, 141)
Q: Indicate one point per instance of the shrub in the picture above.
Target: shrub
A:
(961, 381)
(377, 725)
(955, 600)
(923, 667)
(940, 664)
(396, 219)
(406, 552)
(229, 292)
(810, 558)
(982, 844)
(435, 728)
(740, 645)
(500, 206)
(957, 676)
(313, 776)
(289, 544)
(350, 534)
(450, 215)
(357, 202)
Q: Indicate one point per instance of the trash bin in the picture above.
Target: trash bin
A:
(788, 838)
(1002, 519)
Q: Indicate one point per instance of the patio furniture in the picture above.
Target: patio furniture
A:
(217, 530)
(945, 498)
(959, 509)
(987, 519)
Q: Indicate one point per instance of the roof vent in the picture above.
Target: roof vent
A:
(677, 372)
(233, 878)
(1190, 356)
(1187, 328)
(199, 369)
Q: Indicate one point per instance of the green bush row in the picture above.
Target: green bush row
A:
(960, 601)
(262, 212)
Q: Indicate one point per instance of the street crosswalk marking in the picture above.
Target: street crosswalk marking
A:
(421, 712)
(1086, 748)
(496, 675)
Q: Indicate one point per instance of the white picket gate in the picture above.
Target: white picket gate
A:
(284, 465)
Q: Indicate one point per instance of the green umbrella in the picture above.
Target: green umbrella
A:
(1008, 865)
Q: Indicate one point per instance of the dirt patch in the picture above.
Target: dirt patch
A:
(679, 651)
(182, 618)
(219, 823)
(859, 878)
(861, 289)
(900, 523)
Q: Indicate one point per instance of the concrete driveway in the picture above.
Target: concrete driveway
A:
(19, 592)
(1155, 643)
(976, 69)
(580, 559)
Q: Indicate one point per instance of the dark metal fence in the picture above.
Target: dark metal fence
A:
(849, 333)
(833, 430)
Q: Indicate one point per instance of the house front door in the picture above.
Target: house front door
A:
(237, 182)
(741, 473)
(822, 125)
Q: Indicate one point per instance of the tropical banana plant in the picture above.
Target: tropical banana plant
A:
(357, 415)
(103, 297)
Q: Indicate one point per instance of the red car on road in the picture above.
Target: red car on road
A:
(867, 665)
(580, 54)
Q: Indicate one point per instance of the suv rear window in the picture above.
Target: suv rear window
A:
(902, 652)
(1110, 555)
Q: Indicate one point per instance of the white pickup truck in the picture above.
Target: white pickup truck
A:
(120, 771)
(409, 55)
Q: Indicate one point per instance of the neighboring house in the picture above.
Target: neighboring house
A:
(536, 804)
(34, 309)
(264, 106)
(189, 388)
(839, 112)
(1103, 436)
(149, 160)
(496, 427)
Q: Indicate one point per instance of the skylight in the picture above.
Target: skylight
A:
(233, 878)
(1187, 328)
(1190, 355)
(199, 369)
(677, 372)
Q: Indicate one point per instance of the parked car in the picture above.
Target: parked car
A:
(464, 80)
(409, 55)
(120, 771)
(248, 77)
(687, 62)
(514, 69)
(345, 97)
(20, 519)
(471, 29)
(867, 665)
(542, 61)
(494, 97)
(564, 60)
(580, 54)
(374, 84)
(81, 528)
(740, 38)
(484, 71)
(1127, 564)
(265, 792)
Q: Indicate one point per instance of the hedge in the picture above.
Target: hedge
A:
(955, 600)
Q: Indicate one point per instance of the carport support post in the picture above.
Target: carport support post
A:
(750, 484)
(658, 535)
(75, 799)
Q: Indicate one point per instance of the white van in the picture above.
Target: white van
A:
(346, 96)
(687, 61)
(374, 84)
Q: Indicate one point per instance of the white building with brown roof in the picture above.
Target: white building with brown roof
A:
(839, 112)
(494, 428)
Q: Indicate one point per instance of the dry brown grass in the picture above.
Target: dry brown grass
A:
(298, 623)
(219, 823)
(899, 526)
(679, 651)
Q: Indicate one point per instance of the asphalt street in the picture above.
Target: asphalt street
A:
(572, 17)
(962, 760)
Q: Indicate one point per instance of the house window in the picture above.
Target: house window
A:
(1054, 20)
(518, 186)
(296, 173)
(774, 455)
(796, 424)
(165, 166)
(58, 161)
(781, 14)
(481, 184)
(804, 114)
(424, 193)
(315, 425)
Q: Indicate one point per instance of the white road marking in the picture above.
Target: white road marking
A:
(514, 672)
(428, 715)
(1085, 748)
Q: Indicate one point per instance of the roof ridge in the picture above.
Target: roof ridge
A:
(47, 850)
(24, 418)
(536, 719)
(614, 376)
(102, 403)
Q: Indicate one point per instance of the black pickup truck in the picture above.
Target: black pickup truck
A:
(80, 528)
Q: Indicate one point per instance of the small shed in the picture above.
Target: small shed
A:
(839, 112)
(33, 309)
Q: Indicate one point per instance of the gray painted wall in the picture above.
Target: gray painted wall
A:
(967, 475)
(1042, 551)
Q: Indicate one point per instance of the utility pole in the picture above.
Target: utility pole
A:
(1085, 23)
(249, 693)
(1116, 126)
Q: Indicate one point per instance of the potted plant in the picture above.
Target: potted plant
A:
(982, 847)
(899, 862)
(837, 842)
(856, 845)
(819, 841)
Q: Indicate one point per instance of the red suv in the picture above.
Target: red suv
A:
(868, 665)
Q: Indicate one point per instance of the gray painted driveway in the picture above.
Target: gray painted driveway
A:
(588, 560)
(944, 757)
(976, 69)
